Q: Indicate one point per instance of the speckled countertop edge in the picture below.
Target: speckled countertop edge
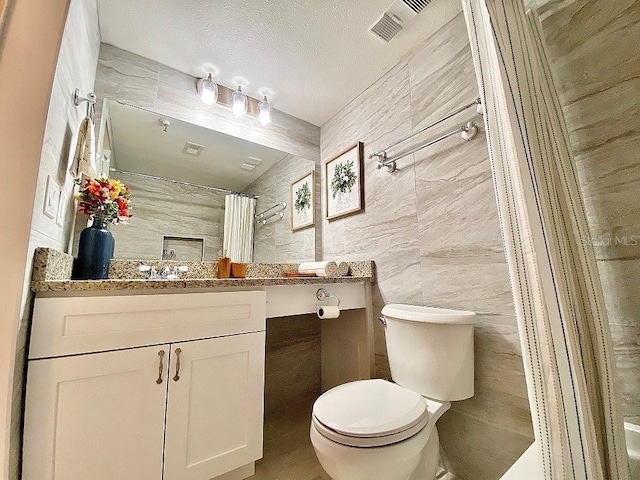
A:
(52, 273)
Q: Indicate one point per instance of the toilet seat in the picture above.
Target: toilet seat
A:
(370, 413)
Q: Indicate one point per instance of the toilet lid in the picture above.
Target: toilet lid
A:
(370, 408)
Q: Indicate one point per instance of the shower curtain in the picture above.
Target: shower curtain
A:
(563, 326)
(239, 220)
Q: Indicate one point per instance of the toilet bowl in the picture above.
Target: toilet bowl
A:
(379, 430)
(376, 430)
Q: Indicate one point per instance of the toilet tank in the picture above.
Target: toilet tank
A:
(431, 350)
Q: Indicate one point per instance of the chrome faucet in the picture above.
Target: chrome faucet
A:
(166, 274)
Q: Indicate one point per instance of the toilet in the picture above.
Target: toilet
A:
(379, 430)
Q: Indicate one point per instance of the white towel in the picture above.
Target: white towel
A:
(84, 160)
(343, 269)
(321, 269)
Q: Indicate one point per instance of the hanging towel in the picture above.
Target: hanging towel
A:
(84, 160)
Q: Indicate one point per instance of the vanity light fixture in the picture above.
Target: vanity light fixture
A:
(239, 103)
(264, 115)
(207, 90)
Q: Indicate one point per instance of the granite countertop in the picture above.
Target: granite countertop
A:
(52, 273)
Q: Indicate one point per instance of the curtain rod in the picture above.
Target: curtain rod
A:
(178, 182)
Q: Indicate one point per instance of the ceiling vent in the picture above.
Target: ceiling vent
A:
(386, 27)
(416, 5)
(396, 17)
(192, 149)
(254, 161)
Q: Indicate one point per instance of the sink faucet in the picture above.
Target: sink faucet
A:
(166, 274)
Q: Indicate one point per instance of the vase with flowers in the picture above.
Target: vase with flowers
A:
(105, 201)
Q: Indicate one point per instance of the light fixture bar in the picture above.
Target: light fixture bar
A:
(224, 99)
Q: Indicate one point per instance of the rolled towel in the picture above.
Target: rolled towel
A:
(343, 269)
(321, 269)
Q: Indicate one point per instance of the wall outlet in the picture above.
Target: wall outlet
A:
(51, 198)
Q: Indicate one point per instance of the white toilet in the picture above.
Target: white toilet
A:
(378, 430)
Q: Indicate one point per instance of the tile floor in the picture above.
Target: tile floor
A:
(288, 453)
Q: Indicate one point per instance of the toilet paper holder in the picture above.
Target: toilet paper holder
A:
(322, 295)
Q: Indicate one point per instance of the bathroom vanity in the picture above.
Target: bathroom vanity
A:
(160, 379)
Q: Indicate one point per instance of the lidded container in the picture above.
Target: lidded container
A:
(431, 350)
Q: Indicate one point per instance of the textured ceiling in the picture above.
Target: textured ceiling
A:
(140, 145)
(310, 56)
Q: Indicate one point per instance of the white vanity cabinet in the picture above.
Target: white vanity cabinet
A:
(145, 387)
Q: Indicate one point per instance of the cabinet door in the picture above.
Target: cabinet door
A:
(98, 416)
(215, 407)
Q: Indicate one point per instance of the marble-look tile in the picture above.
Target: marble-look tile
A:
(76, 68)
(477, 449)
(377, 117)
(126, 77)
(288, 453)
(292, 371)
(164, 209)
(464, 283)
(593, 51)
(595, 57)
(627, 362)
(433, 230)
(458, 214)
(276, 242)
(442, 78)
(620, 280)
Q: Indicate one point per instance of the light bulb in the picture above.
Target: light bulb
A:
(239, 101)
(264, 108)
(208, 90)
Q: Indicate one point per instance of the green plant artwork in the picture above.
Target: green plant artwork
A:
(344, 178)
(303, 198)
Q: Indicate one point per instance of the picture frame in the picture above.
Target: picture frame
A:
(303, 201)
(344, 182)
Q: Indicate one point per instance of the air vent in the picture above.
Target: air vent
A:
(247, 166)
(416, 5)
(387, 27)
(192, 149)
(254, 161)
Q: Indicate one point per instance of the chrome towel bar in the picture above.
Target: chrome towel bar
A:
(468, 132)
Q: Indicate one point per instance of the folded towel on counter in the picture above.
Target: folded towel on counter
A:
(343, 269)
(321, 269)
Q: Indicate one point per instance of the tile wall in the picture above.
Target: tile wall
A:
(275, 241)
(166, 209)
(594, 52)
(432, 229)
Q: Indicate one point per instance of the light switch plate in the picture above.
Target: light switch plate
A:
(51, 198)
(62, 207)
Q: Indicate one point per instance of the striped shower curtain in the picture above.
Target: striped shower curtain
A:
(239, 221)
(563, 326)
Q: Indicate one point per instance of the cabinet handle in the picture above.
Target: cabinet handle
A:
(160, 367)
(176, 377)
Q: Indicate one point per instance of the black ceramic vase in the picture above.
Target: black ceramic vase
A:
(95, 252)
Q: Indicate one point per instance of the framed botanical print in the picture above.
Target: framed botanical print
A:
(303, 202)
(344, 179)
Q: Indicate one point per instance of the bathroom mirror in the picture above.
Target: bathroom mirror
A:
(180, 175)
